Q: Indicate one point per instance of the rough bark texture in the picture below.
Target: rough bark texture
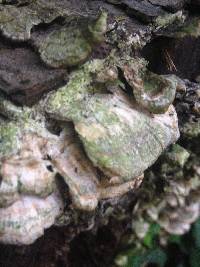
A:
(166, 33)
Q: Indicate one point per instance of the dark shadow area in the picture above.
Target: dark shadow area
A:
(174, 56)
(179, 260)
(48, 251)
(88, 250)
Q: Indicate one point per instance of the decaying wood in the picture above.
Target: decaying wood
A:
(155, 30)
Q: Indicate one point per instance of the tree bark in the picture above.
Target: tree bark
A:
(165, 33)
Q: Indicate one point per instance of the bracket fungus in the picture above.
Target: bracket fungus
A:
(116, 133)
(16, 22)
(152, 91)
(72, 43)
(106, 138)
(112, 133)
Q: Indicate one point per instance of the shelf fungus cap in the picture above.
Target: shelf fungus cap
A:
(152, 91)
(16, 22)
(111, 132)
(72, 43)
(123, 140)
(26, 219)
(120, 136)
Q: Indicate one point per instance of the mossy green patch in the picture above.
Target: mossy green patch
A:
(9, 138)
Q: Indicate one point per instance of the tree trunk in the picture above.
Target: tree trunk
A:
(166, 34)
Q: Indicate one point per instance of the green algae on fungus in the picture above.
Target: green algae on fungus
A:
(9, 138)
(111, 128)
(67, 101)
(22, 168)
(27, 191)
(153, 92)
(16, 22)
(118, 136)
(11, 132)
(25, 160)
(30, 171)
(72, 43)
(121, 140)
(64, 47)
(157, 93)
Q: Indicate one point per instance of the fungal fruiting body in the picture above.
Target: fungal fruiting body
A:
(106, 138)
(106, 141)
